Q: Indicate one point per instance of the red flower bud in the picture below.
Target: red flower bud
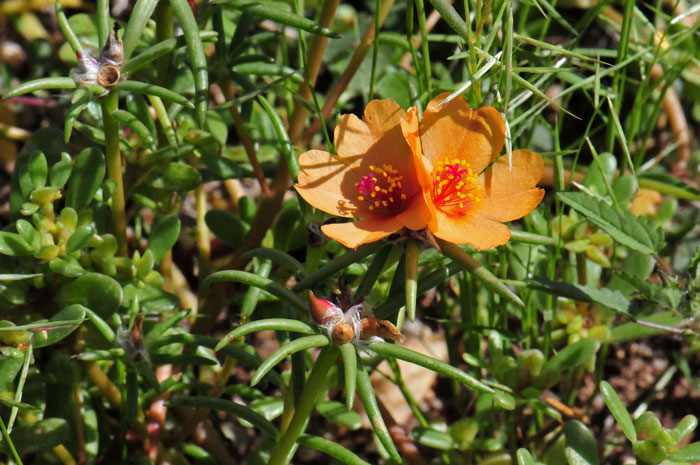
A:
(322, 311)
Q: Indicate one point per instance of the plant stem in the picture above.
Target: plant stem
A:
(110, 104)
(314, 384)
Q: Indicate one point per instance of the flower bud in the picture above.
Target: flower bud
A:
(342, 333)
(322, 311)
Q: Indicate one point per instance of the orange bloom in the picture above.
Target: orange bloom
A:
(372, 178)
(468, 199)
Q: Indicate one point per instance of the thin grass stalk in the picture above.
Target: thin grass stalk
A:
(619, 79)
(375, 51)
(20, 386)
(314, 385)
(8, 440)
(427, 72)
(472, 63)
(313, 65)
(350, 70)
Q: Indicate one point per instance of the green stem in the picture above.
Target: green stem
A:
(8, 440)
(314, 385)
(114, 168)
(413, 249)
(485, 276)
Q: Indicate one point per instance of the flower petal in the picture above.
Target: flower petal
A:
(416, 214)
(377, 140)
(511, 194)
(355, 233)
(326, 183)
(455, 131)
(352, 234)
(474, 230)
(411, 132)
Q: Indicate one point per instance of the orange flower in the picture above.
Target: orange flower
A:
(468, 199)
(372, 178)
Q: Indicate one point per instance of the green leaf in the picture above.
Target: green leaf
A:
(433, 438)
(37, 169)
(290, 263)
(80, 238)
(269, 324)
(391, 350)
(633, 330)
(140, 15)
(60, 171)
(618, 410)
(263, 283)
(226, 226)
(98, 292)
(181, 360)
(369, 400)
(573, 355)
(614, 300)
(278, 12)
(52, 334)
(145, 88)
(137, 126)
(634, 232)
(17, 276)
(185, 15)
(38, 436)
(349, 355)
(59, 83)
(176, 177)
(228, 406)
(524, 457)
(340, 414)
(30, 235)
(282, 138)
(160, 49)
(291, 347)
(340, 263)
(667, 184)
(163, 236)
(331, 448)
(669, 297)
(13, 244)
(88, 174)
(581, 447)
(690, 453)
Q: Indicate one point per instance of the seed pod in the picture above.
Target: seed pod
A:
(113, 51)
(342, 333)
(381, 328)
(323, 312)
(108, 75)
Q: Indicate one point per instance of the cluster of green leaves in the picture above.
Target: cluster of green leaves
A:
(85, 261)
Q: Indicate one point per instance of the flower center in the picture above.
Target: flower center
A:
(381, 190)
(454, 184)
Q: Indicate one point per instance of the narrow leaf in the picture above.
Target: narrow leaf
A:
(618, 410)
(263, 283)
(228, 406)
(291, 347)
(391, 350)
